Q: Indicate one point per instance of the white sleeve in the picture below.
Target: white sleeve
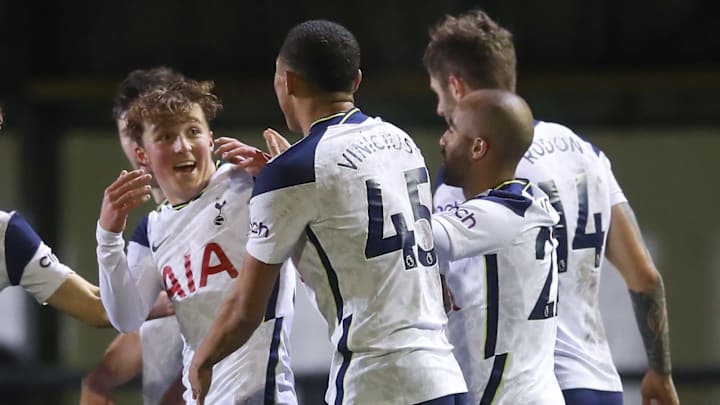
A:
(476, 227)
(44, 274)
(278, 219)
(616, 194)
(129, 284)
(441, 240)
(29, 262)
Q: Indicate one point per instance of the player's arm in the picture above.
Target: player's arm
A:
(627, 252)
(240, 314)
(122, 361)
(81, 300)
(129, 284)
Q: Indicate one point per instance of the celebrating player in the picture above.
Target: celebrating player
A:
(471, 52)
(508, 223)
(156, 349)
(350, 201)
(192, 245)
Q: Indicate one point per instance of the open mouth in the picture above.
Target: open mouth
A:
(185, 167)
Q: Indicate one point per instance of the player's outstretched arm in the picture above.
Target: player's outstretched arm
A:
(627, 252)
(239, 316)
(127, 295)
(81, 300)
(121, 362)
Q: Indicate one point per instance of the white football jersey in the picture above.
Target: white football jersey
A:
(194, 251)
(351, 203)
(162, 357)
(578, 179)
(25, 260)
(504, 334)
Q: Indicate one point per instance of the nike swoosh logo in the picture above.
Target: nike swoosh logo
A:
(155, 247)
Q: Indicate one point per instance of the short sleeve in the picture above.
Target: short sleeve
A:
(30, 262)
(476, 227)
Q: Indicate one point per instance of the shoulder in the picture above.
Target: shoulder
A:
(20, 244)
(550, 131)
(293, 167)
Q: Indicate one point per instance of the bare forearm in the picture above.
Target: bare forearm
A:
(651, 314)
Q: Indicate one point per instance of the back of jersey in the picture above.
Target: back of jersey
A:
(369, 259)
(579, 182)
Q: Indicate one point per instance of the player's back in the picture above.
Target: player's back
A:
(370, 260)
(579, 182)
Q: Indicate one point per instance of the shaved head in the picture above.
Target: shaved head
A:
(500, 117)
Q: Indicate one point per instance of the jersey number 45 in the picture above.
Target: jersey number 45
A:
(404, 239)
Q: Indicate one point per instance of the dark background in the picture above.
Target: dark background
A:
(605, 62)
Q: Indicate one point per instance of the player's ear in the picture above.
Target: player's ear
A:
(479, 148)
(141, 156)
(357, 81)
(458, 88)
(212, 139)
(292, 82)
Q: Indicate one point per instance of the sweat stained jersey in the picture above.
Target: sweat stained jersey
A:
(194, 251)
(351, 203)
(578, 179)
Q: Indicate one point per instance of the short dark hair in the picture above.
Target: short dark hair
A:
(173, 102)
(474, 47)
(140, 81)
(324, 53)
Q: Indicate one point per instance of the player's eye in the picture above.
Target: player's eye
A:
(194, 131)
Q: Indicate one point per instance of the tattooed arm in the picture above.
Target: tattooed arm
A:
(627, 252)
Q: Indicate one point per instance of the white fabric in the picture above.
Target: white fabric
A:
(43, 273)
(386, 321)
(494, 326)
(194, 253)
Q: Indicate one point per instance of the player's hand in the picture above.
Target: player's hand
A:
(200, 378)
(91, 394)
(127, 192)
(276, 143)
(246, 157)
(660, 388)
(162, 307)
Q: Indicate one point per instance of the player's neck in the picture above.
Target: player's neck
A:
(487, 180)
(317, 109)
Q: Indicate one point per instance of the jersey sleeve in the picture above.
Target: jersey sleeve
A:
(129, 283)
(447, 198)
(283, 204)
(616, 194)
(278, 219)
(476, 227)
(30, 262)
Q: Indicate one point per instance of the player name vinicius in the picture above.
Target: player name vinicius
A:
(366, 145)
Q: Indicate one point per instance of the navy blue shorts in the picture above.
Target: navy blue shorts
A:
(582, 396)
(453, 399)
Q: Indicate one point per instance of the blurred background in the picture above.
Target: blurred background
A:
(640, 79)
